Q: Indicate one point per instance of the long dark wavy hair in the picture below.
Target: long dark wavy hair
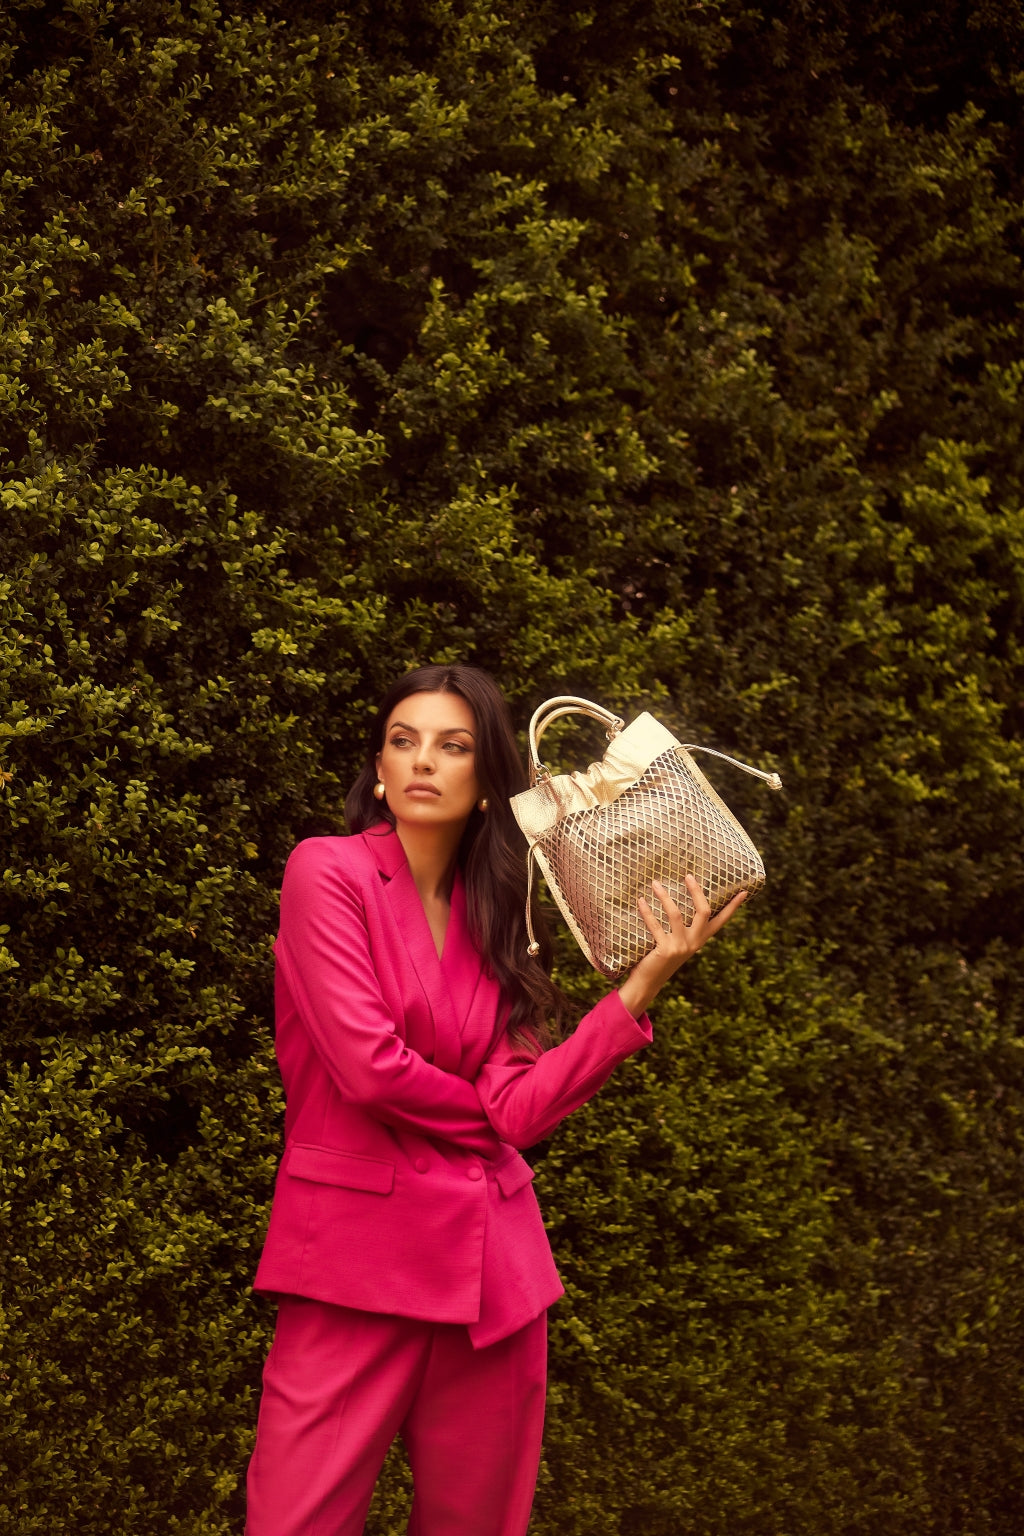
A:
(492, 853)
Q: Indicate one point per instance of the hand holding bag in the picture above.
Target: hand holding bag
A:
(645, 812)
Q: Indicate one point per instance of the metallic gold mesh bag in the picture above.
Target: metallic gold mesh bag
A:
(645, 812)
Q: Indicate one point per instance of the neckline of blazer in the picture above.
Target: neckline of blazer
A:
(460, 962)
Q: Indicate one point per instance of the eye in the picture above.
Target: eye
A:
(456, 746)
(399, 741)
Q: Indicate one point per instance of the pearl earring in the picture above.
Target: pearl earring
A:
(481, 805)
(378, 790)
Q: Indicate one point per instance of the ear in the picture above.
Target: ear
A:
(376, 764)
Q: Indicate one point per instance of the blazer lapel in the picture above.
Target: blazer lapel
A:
(475, 993)
(461, 965)
(412, 932)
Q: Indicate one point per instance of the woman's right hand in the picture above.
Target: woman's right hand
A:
(672, 946)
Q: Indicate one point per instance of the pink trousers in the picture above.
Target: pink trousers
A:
(339, 1385)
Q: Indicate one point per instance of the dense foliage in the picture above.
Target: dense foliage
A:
(665, 352)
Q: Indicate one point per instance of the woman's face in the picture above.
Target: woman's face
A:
(428, 761)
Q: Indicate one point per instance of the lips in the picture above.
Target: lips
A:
(416, 790)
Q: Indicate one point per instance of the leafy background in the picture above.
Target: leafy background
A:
(665, 352)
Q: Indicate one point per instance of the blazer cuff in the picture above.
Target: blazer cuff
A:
(616, 1018)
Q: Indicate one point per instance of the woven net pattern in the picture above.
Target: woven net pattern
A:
(669, 824)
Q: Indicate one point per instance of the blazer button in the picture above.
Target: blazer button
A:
(421, 1165)
(476, 1172)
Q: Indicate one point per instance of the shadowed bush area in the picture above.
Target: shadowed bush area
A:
(665, 353)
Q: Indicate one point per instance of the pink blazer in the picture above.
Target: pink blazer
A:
(401, 1189)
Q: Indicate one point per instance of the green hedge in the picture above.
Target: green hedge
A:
(668, 353)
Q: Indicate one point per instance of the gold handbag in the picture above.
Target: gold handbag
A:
(644, 812)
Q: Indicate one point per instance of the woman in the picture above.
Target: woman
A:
(405, 1244)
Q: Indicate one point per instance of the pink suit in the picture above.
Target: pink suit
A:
(401, 1191)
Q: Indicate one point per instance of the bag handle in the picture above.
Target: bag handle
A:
(553, 709)
(544, 715)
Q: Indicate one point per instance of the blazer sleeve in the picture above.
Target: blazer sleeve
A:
(525, 1097)
(323, 950)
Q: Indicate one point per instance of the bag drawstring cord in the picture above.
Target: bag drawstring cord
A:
(533, 948)
(771, 779)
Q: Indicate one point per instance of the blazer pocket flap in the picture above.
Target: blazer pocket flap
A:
(513, 1175)
(349, 1170)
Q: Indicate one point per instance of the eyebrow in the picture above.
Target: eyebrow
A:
(453, 730)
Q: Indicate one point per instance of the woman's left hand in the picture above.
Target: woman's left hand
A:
(672, 946)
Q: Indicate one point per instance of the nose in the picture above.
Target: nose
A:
(424, 761)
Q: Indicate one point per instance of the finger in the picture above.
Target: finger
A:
(664, 895)
(674, 915)
(721, 918)
(654, 928)
(701, 905)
